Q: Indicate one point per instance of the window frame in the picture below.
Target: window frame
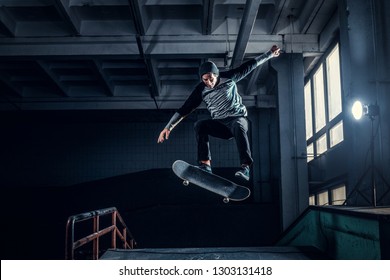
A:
(329, 124)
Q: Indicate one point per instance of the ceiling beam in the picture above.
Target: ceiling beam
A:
(69, 46)
(98, 65)
(212, 46)
(7, 23)
(71, 19)
(279, 9)
(154, 46)
(308, 14)
(151, 67)
(207, 17)
(246, 26)
(16, 88)
(46, 67)
(136, 11)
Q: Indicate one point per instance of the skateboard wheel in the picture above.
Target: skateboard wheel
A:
(226, 200)
(186, 183)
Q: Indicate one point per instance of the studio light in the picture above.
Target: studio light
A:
(359, 110)
(371, 111)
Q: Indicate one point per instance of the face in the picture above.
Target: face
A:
(210, 79)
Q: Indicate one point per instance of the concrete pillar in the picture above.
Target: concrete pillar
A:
(294, 191)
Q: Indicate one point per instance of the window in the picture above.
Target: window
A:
(323, 198)
(319, 99)
(334, 83)
(338, 195)
(312, 200)
(335, 195)
(308, 112)
(336, 134)
(310, 152)
(321, 145)
(323, 105)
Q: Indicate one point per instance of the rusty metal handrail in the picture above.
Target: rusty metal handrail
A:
(125, 236)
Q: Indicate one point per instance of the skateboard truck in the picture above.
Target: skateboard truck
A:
(187, 183)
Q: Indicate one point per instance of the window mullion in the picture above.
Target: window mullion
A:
(326, 102)
(313, 115)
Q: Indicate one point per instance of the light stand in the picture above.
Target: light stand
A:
(370, 111)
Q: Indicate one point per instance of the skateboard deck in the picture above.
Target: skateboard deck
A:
(211, 182)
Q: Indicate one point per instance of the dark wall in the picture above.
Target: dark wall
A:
(66, 148)
(58, 164)
(159, 211)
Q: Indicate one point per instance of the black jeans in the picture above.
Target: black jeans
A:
(235, 127)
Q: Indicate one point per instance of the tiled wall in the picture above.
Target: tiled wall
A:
(61, 152)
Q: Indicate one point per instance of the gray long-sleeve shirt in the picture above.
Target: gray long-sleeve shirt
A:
(223, 100)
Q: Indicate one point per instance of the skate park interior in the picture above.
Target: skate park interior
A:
(87, 86)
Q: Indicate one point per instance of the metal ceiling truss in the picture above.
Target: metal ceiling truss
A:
(129, 54)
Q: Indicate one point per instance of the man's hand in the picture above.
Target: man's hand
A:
(164, 134)
(275, 51)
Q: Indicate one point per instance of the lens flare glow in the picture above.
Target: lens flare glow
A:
(357, 110)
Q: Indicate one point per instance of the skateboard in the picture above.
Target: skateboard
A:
(211, 182)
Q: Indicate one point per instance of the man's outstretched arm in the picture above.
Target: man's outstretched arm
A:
(164, 134)
(244, 69)
(192, 102)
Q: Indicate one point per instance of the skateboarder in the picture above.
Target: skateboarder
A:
(228, 114)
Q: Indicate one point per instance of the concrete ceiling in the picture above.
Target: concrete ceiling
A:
(145, 54)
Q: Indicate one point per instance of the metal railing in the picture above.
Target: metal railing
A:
(116, 227)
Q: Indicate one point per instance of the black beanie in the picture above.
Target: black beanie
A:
(208, 67)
